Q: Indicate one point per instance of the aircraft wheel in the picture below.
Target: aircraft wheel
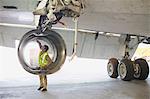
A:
(57, 52)
(126, 70)
(141, 69)
(112, 68)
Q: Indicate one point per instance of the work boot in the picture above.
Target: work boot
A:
(39, 88)
(43, 89)
(40, 11)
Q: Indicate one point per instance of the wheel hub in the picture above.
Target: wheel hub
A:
(137, 70)
(110, 69)
(122, 70)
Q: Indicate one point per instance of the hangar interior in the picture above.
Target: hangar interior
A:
(107, 29)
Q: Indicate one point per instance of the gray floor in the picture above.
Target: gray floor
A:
(114, 89)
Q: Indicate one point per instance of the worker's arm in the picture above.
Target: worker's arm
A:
(49, 60)
(40, 45)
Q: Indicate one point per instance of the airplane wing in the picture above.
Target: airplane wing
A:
(107, 18)
(117, 16)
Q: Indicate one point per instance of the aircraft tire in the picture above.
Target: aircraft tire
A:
(126, 70)
(56, 40)
(112, 68)
(142, 69)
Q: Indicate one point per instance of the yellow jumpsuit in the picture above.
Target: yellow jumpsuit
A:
(43, 63)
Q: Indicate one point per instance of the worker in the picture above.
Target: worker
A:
(44, 62)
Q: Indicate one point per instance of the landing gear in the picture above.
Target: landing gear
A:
(127, 69)
(112, 68)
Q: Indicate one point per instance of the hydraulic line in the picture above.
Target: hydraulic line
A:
(75, 39)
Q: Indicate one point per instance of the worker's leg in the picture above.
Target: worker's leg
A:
(44, 83)
(41, 82)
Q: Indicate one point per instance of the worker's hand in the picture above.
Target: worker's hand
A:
(40, 45)
(37, 41)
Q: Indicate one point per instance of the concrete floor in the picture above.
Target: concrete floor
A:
(113, 89)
